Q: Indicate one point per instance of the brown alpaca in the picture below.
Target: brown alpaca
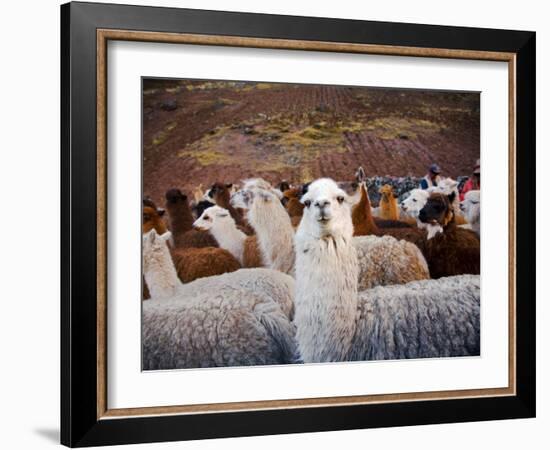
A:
(291, 201)
(388, 204)
(152, 218)
(452, 250)
(181, 223)
(193, 263)
(221, 195)
(364, 223)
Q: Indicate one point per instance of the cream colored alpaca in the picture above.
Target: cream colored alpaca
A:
(272, 225)
(336, 323)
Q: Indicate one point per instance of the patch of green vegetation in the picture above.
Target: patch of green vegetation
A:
(204, 157)
(160, 137)
(395, 127)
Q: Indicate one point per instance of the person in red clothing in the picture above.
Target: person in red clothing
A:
(473, 183)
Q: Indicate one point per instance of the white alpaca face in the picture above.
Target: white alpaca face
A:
(471, 206)
(415, 202)
(211, 217)
(327, 208)
(446, 186)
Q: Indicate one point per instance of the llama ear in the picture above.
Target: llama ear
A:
(160, 212)
(228, 185)
(451, 196)
(360, 175)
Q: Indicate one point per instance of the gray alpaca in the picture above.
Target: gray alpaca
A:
(235, 319)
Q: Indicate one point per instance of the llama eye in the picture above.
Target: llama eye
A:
(307, 203)
(414, 200)
(340, 199)
(206, 218)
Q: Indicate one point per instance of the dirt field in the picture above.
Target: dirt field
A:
(206, 131)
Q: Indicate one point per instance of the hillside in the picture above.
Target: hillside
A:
(205, 131)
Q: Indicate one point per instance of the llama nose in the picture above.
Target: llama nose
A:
(322, 203)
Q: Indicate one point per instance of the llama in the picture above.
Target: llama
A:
(292, 204)
(242, 318)
(449, 186)
(359, 198)
(152, 219)
(388, 203)
(414, 203)
(221, 194)
(192, 263)
(272, 225)
(291, 201)
(181, 223)
(471, 208)
(222, 226)
(429, 318)
(449, 249)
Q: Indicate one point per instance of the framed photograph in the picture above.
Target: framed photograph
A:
(273, 224)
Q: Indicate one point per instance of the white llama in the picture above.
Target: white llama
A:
(471, 206)
(336, 323)
(272, 225)
(222, 226)
(414, 203)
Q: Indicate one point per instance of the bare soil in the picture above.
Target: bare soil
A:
(197, 131)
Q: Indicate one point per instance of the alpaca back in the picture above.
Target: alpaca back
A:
(385, 260)
(422, 319)
(326, 297)
(212, 330)
(268, 285)
(193, 263)
(195, 239)
(455, 251)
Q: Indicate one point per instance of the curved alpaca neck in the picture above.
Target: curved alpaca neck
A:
(326, 296)
(363, 222)
(181, 219)
(275, 233)
(230, 238)
(159, 272)
(223, 200)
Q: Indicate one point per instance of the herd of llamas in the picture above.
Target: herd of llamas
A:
(262, 274)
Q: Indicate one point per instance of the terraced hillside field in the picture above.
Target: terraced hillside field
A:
(197, 131)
